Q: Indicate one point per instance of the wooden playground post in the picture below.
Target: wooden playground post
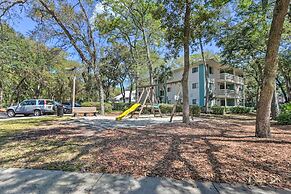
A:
(150, 96)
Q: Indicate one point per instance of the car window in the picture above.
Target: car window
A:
(57, 103)
(49, 102)
(33, 102)
(24, 103)
(41, 102)
(28, 102)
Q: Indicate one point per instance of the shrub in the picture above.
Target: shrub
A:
(89, 104)
(284, 118)
(195, 110)
(285, 107)
(179, 108)
(146, 110)
(107, 106)
(218, 110)
(120, 106)
(166, 108)
(240, 109)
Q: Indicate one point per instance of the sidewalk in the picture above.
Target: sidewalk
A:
(43, 181)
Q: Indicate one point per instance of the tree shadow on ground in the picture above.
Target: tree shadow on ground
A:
(204, 150)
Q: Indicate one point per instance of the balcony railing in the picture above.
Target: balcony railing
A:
(227, 93)
(231, 78)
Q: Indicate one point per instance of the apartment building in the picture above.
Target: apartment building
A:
(226, 85)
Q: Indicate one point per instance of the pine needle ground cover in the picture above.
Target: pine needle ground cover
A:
(219, 149)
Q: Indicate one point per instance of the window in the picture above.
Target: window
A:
(230, 86)
(194, 101)
(168, 89)
(210, 70)
(211, 86)
(230, 102)
(222, 102)
(41, 102)
(49, 102)
(194, 69)
(24, 103)
(162, 93)
(221, 86)
(30, 102)
(194, 85)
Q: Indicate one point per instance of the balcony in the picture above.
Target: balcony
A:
(227, 93)
(231, 78)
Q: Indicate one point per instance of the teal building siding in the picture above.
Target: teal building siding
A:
(201, 85)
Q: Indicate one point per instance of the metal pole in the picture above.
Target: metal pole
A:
(74, 94)
(1, 98)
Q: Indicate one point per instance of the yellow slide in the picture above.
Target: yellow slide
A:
(130, 110)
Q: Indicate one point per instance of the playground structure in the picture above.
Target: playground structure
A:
(147, 99)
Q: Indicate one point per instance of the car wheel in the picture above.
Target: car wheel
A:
(11, 113)
(37, 113)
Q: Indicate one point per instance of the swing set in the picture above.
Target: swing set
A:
(148, 99)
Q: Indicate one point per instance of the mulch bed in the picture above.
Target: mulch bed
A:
(214, 149)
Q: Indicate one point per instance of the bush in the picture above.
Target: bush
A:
(240, 109)
(195, 110)
(179, 108)
(120, 106)
(108, 106)
(285, 107)
(218, 110)
(146, 110)
(166, 108)
(89, 104)
(284, 118)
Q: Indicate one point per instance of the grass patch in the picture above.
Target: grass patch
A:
(10, 127)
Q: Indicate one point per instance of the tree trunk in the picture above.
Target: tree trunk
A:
(270, 70)
(16, 91)
(101, 94)
(279, 83)
(150, 66)
(130, 91)
(136, 88)
(288, 87)
(275, 111)
(257, 97)
(122, 91)
(186, 45)
(206, 76)
(165, 93)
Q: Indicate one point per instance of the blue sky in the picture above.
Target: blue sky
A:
(24, 25)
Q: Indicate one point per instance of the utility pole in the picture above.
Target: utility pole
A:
(74, 93)
(73, 70)
(1, 98)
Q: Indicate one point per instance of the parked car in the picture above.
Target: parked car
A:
(68, 107)
(35, 107)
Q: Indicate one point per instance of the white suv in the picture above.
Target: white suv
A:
(34, 107)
